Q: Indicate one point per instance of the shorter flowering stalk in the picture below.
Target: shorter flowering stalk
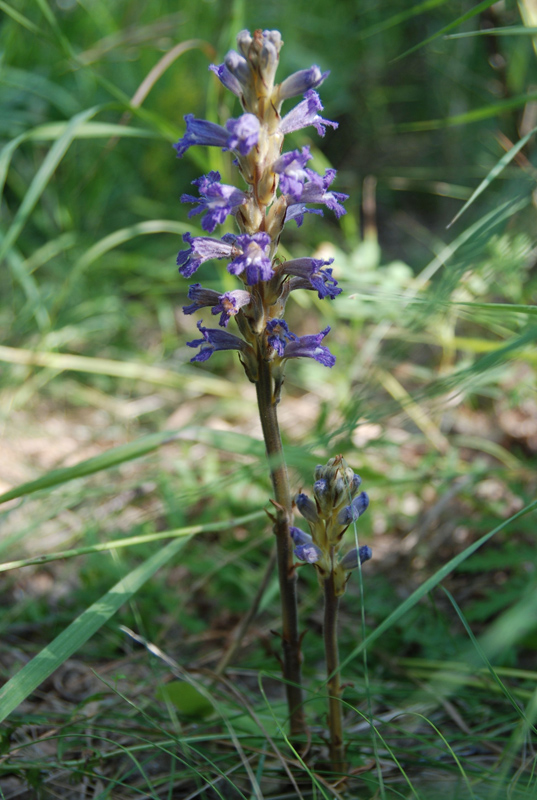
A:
(335, 506)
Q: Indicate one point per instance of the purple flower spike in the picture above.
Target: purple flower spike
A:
(201, 297)
(201, 249)
(217, 200)
(215, 339)
(355, 510)
(310, 347)
(350, 559)
(253, 260)
(244, 133)
(290, 167)
(229, 304)
(299, 82)
(310, 274)
(305, 114)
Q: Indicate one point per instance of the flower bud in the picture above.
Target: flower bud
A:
(351, 513)
(307, 508)
(350, 559)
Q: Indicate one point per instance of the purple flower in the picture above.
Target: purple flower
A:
(299, 536)
(244, 133)
(290, 167)
(351, 513)
(310, 347)
(289, 345)
(305, 550)
(310, 274)
(305, 114)
(350, 559)
(279, 335)
(315, 191)
(226, 78)
(201, 297)
(309, 553)
(307, 508)
(254, 259)
(217, 200)
(239, 134)
(215, 339)
(299, 82)
(296, 211)
(201, 249)
(229, 304)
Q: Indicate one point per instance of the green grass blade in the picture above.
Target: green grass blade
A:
(21, 19)
(495, 171)
(477, 114)
(469, 14)
(111, 458)
(402, 16)
(132, 541)
(41, 179)
(431, 582)
(80, 630)
(514, 30)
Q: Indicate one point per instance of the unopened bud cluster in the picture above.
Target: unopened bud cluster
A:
(336, 504)
(278, 188)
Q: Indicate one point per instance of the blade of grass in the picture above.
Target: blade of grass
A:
(514, 30)
(402, 16)
(17, 689)
(131, 541)
(477, 114)
(469, 14)
(21, 19)
(495, 171)
(41, 179)
(431, 582)
(185, 379)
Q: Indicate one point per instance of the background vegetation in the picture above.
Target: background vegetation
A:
(109, 433)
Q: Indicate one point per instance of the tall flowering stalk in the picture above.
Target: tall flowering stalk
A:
(278, 188)
(336, 505)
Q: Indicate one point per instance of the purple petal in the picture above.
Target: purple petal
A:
(351, 513)
(299, 536)
(300, 82)
(310, 347)
(350, 559)
(226, 78)
(215, 339)
(253, 260)
(200, 131)
(305, 114)
(290, 167)
(217, 200)
(201, 249)
(229, 304)
(308, 552)
(201, 298)
(310, 274)
(244, 133)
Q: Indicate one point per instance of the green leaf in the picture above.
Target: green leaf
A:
(188, 700)
(17, 689)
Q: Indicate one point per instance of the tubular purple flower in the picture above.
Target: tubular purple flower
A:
(253, 260)
(307, 508)
(290, 168)
(309, 553)
(279, 335)
(299, 82)
(215, 339)
(240, 134)
(230, 304)
(296, 211)
(351, 513)
(244, 133)
(201, 249)
(310, 347)
(315, 191)
(310, 274)
(201, 297)
(305, 114)
(350, 559)
(299, 536)
(217, 200)
(226, 78)
(237, 66)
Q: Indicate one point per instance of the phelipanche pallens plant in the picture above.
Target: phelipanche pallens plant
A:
(278, 188)
(336, 505)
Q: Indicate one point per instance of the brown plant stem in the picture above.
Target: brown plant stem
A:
(286, 573)
(335, 711)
